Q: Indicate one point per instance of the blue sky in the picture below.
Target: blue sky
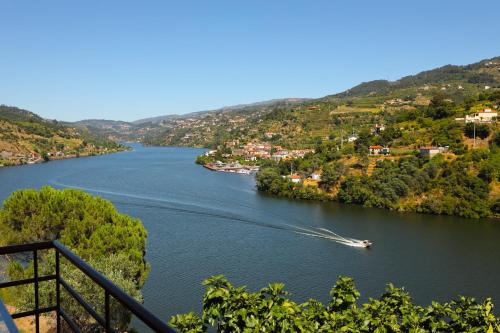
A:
(127, 60)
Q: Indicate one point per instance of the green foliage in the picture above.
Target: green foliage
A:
(482, 130)
(440, 107)
(267, 179)
(390, 182)
(496, 139)
(234, 309)
(331, 174)
(112, 243)
(452, 187)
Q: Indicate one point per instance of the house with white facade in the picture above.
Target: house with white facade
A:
(316, 176)
(352, 138)
(379, 150)
(484, 116)
(432, 151)
(295, 178)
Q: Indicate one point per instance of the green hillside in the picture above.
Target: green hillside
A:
(301, 123)
(27, 138)
(401, 117)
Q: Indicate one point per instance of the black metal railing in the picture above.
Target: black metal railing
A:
(109, 288)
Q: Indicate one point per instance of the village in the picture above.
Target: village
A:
(250, 152)
(244, 158)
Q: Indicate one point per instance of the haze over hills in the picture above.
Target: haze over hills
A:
(212, 128)
(172, 129)
(269, 103)
(138, 129)
(206, 128)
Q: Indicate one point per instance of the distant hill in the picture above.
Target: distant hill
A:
(11, 113)
(115, 130)
(484, 73)
(427, 143)
(312, 118)
(101, 122)
(26, 137)
(239, 107)
(210, 128)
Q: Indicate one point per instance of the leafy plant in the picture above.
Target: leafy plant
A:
(234, 309)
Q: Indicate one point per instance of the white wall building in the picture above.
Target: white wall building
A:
(484, 116)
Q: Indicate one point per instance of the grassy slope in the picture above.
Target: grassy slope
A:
(23, 132)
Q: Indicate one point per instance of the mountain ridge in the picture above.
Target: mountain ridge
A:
(221, 109)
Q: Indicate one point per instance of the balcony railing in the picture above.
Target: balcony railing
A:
(108, 287)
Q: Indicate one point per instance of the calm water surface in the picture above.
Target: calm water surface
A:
(202, 223)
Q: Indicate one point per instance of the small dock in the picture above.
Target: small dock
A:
(231, 167)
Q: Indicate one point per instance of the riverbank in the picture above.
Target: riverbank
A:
(231, 167)
(36, 159)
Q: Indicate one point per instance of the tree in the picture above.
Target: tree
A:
(265, 178)
(440, 107)
(482, 130)
(331, 174)
(113, 243)
(496, 139)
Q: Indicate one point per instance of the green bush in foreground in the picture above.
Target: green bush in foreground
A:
(112, 243)
(234, 309)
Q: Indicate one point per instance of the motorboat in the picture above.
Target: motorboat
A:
(366, 243)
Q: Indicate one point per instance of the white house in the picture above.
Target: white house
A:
(295, 178)
(352, 138)
(210, 152)
(280, 154)
(484, 116)
(379, 150)
(316, 176)
(432, 151)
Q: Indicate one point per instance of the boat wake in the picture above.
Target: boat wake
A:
(330, 235)
(181, 207)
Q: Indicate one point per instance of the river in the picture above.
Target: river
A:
(202, 223)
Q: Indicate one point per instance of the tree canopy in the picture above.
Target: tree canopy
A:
(111, 242)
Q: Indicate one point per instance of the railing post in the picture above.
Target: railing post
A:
(58, 292)
(107, 311)
(37, 301)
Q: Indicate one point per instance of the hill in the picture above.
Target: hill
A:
(225, 109)
(427, 143)
(483, 73)
(114, 130)
(302, 122)
(26, 137)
